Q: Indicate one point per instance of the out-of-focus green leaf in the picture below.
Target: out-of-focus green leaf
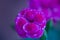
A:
(57, 25)
(49, 25)
(44, 37)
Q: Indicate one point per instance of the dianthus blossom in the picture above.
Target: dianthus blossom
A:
(30, 23)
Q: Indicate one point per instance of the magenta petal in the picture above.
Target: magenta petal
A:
(39, 18)
(21, 32)
(34, 4)
(19, 26)
(20, 21)
(29, 15)
(56, 13)
(37, 34)
(31, 27)
(48, 3)
(45, 3)
(47, 13)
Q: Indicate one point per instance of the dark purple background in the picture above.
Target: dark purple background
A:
(8, 12)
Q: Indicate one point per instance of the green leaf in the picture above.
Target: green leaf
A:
(49, 25)
(44, 37)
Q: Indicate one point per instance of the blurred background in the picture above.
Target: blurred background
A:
(8, 11)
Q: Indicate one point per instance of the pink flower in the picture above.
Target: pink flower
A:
(48, 3)
(56, 13)
(20, 21)
(30, 23)
(48, 13)
(33, 30)
(42, 3)
(34, 4)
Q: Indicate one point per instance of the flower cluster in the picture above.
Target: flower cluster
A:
(30, 23)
